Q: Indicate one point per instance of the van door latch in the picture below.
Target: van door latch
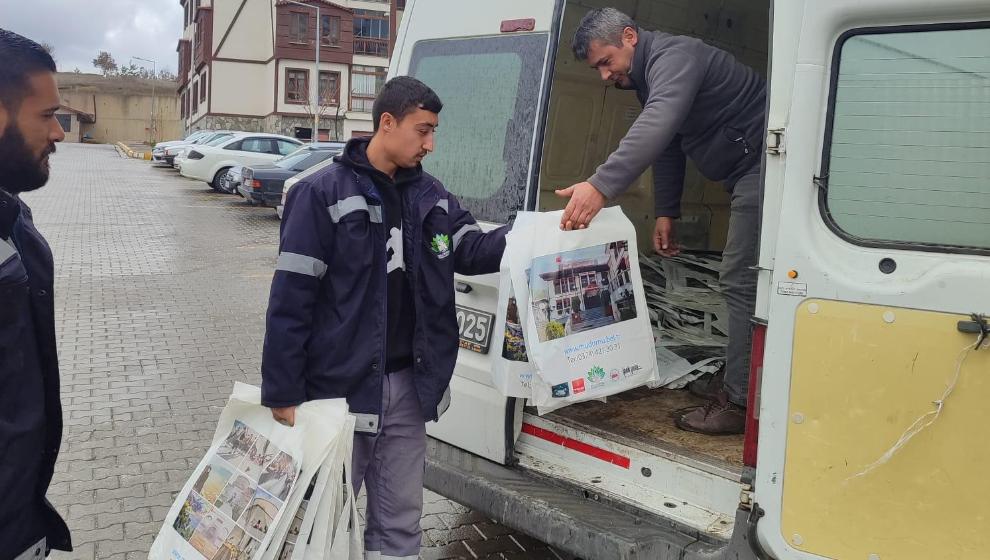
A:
(979, 325)
(775, 141)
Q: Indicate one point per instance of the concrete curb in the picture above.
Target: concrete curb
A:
(131, 153)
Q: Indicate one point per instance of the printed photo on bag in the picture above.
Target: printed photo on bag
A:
(237, 444)
(581, 290)
(213, 479)
(236, 496)
(190, 515)
(258, 457)
(514, 346)
(296, 527)
(260, 514)
(279, 476)
(211, 533)
(238, 546)
(286, 553)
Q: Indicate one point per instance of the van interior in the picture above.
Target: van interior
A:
(586, 121)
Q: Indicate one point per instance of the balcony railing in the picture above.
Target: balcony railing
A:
(371, 47)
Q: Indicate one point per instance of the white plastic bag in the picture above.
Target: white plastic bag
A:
(512, 373)
(240, 502)
(586, 325)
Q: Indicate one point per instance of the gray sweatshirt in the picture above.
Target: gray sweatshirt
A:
(699, 102)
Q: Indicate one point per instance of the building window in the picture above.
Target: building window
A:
(367, 82)
(182, 106)
(185, 13)
(195, 99)
(202, 88)
(299, 28)
(296, 82)
(329, 88)
(371, 33)
(65, 121)
(330, 30)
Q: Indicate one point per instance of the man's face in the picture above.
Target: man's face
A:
(614, 62)
(28, 134)
(409, 141)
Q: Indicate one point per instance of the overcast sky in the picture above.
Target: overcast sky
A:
(80, 29)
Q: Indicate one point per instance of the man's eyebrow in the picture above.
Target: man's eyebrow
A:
(600, 62)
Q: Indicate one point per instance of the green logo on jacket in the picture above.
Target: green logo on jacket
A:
(440, 245)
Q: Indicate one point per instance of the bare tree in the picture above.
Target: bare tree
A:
(105, 63)
(329, 100)
(49, 48)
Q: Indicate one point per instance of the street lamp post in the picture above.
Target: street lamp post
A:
(316, 77)
(154, 80)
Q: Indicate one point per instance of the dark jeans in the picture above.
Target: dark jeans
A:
(738, 280)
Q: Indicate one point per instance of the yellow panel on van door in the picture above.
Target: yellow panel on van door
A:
(857, 483)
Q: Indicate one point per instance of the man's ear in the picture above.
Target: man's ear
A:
(387, 123)
(630, 36)
(4, 118)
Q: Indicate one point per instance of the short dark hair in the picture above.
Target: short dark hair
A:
(601, 24)
(21, 57)
(403, 95)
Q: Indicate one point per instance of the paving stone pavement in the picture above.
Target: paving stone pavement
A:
(161, 289)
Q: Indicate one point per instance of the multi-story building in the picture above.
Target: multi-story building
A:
(251, 64)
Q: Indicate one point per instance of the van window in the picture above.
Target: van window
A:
(490, 88)
(908, 156)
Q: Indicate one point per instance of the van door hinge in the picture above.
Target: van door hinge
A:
(746, 497)
(775, 141)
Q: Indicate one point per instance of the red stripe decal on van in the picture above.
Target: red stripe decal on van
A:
(579, 446)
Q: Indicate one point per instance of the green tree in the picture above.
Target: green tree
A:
(105, 63)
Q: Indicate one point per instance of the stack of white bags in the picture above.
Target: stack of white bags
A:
(572, 322)
(266, 491)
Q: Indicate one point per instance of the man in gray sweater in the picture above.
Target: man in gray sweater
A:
(698, 102)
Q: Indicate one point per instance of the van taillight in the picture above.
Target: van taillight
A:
(751, 438)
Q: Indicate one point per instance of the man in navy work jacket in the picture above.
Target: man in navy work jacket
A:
(362, 304)
(30, 409)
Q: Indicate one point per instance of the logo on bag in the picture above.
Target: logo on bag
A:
(441, 245)
(578, 386)
(561, 391)
(596, 375)
(615, 374)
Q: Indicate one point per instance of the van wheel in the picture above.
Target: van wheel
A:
(218, 179)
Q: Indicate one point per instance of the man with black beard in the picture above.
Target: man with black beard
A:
(30, 408)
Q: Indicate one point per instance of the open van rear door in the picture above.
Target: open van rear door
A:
(875, 264)
(488, 63)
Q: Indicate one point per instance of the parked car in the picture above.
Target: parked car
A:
(178, 151)
(210, 162)
(158, 153)
(232, 180)
(262, 184)
(291, 181)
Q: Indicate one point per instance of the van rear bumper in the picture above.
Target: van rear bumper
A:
(565, 516)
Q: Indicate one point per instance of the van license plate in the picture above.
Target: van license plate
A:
(475, 329)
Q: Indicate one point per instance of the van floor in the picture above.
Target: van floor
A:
(644, 418)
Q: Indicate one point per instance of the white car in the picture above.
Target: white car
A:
(173, 154)
(158, 153)
(211, 161)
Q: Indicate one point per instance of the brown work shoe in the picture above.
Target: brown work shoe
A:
(708, 386)
(718, 418)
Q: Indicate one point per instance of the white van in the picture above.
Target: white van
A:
(869, 386)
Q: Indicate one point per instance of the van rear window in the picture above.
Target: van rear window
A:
(907, 157)
(490, 88)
